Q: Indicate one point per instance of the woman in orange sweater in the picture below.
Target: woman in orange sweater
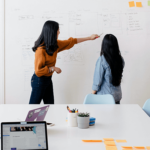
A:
(46, 48)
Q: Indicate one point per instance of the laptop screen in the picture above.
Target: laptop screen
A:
(24, 136)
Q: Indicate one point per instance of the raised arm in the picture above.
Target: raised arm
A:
(92, 37)
(67, 44)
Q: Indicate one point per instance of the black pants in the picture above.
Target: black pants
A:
(42, 88)
(117, 102)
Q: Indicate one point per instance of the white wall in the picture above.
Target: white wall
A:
(1, 51)
(80, 18)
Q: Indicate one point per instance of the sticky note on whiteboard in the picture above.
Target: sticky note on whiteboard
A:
(138, 4)
(148, 3)
(131, 4)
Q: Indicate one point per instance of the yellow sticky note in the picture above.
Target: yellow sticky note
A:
(108, 139)
(148, 3)
(138, 4)
(121, 141)
(111, 148)
(110, 143)
(131, 4)
(148, 147)
(127, 147)
(139, 147)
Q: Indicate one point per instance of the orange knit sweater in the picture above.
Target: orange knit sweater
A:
(43, 61)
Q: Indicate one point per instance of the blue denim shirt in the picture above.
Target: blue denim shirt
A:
(102, 80)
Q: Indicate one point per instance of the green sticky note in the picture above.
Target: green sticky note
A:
(148, 3)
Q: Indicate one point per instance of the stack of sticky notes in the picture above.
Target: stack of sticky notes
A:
(110, 144)
(92, 121)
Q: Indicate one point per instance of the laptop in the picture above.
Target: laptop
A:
(37, 114)
(24, 135)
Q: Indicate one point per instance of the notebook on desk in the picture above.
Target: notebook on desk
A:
(24, 135)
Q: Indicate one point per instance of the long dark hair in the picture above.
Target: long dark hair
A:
(48, 37)
(111, 52)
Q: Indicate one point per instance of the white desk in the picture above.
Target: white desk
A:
(112, 121)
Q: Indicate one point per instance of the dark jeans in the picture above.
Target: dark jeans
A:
(42, 88)
(117, 102)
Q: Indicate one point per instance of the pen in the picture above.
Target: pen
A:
(68, 108)
(99, 35)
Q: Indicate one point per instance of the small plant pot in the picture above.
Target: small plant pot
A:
(83, 122)
(72, 119)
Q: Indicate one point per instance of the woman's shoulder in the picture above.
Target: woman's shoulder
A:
(103, 61)
(40, 50)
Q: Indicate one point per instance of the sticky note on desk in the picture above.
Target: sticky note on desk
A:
(148, 3)
(127, 147)
(111, 148)
(92, 140)
(131, 4)
(148, 147)
(108, 139)
(110, 143)
(139, 147)
(138, 4)
(121, 141)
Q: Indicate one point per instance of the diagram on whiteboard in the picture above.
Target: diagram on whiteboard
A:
(83, 23)
(74, 55)
(27, 53)
(112, 23)
(71, 56)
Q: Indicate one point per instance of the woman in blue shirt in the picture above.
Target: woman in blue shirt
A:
(109, 69)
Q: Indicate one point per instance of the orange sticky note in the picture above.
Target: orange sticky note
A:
(92, 140)
(139, 147)
(111, 148)
(127, 147)
(121, 141)
(131, 4)
(108, 139)
(138, 4)
(148, 147)
(110, 143)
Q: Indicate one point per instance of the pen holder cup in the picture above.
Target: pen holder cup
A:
(72, 119)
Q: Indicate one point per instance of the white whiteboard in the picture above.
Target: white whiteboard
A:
(80, 18)
(1, 52)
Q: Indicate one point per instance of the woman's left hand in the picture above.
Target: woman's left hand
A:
(94, 36)
(94, 92)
